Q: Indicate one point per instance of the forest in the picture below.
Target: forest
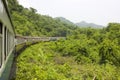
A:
(86, 54)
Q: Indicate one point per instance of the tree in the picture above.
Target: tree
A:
(109, 52)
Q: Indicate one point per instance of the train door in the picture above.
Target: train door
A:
(0, 44)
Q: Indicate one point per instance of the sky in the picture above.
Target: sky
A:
(92, 11)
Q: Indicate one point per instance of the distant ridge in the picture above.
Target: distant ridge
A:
(80, 24)
(85, 24)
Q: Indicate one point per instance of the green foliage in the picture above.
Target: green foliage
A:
(109, 52)
(113, 31)
(42, 62)
(36, 63)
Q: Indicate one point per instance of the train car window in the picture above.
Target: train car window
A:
(5, 42)
(8, 41)
(0, 44)
(0, 28)
(0, 51)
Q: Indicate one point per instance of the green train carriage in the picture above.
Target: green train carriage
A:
(7, 43)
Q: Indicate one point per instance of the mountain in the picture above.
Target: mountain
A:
(80, 24)
(85, 24)
(64, 20)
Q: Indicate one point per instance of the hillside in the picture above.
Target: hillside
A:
(28, 22)
(64, 20)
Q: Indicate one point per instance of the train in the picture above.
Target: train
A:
(9, 41)
(21, 42)
(24, 39)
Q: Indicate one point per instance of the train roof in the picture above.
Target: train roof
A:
(8, 13)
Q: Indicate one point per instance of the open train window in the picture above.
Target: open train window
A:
(0, 44)
(0, 28)
(5, 42)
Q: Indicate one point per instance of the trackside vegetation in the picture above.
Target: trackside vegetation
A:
(57, 61)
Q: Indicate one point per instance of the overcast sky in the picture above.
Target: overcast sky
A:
(93, 11)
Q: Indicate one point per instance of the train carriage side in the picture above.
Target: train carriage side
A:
(7, 43)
